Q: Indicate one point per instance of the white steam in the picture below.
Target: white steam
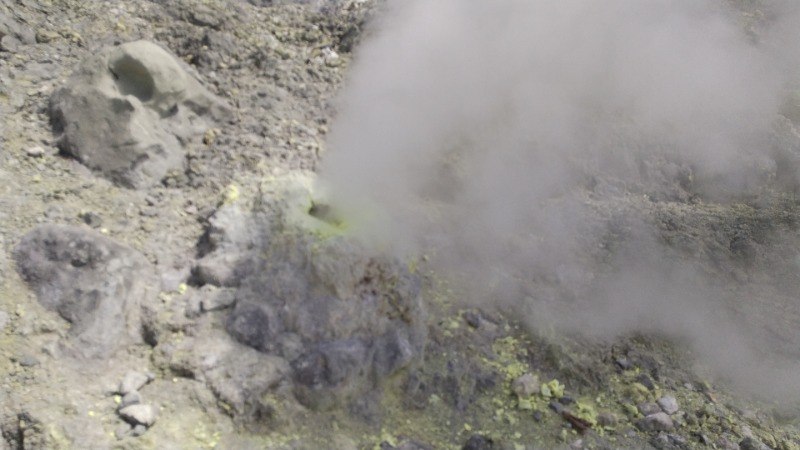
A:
(514, 141)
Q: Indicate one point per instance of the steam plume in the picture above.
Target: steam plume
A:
(529, 147)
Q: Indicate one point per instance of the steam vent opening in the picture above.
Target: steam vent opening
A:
(325, 213)
(133, 78)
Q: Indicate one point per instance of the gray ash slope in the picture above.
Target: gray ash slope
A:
(149, 318)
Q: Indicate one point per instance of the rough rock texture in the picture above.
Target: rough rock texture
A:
(246, 380)
(139, 414)
(14, 35)
(656, 422)
(128, 112)
(343, 317)
(93, 282)
(279, 67)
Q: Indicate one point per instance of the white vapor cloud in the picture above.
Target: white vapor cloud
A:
(526, 145)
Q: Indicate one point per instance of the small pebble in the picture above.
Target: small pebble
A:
(607, 419)
(35, 152)
(648, 408)
(566, 400)
(668, 404)
(92, 219)
(556, 407)
(478, 442)
(139, 414)
(133, 381)
(646, 381)
(526, 385)
(3, 320)
(656, 422)
(624, 363)
(28, 360)
(148, 211)
(473, 319)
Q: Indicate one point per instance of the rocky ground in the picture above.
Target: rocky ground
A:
(171, 278)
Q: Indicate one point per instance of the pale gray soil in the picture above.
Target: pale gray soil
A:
(279, 67)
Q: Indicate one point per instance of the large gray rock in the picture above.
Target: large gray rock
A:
(344, 315)
(339, 342)
(244, 379)
(93, 282)
(128, 111)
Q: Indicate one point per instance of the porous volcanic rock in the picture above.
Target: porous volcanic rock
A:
(344, 315)
(128, 111)
(93, 282)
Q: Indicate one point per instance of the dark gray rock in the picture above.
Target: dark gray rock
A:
(345, 318)
(331, 371)
(648, 408)
(347, 343)
(472, 318)
(127, 112)
(750, 443)
(478, 442)
(92, 219)
(255, 325)
(93, 282)
(646, 381)
(664, 441)
(556, 407)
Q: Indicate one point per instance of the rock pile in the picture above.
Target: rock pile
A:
(310, 313)
(343, 317)
(132, 409)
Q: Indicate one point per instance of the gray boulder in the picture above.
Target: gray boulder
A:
(249, 382)
(91, 281)
(344, 315)
(128, 111)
